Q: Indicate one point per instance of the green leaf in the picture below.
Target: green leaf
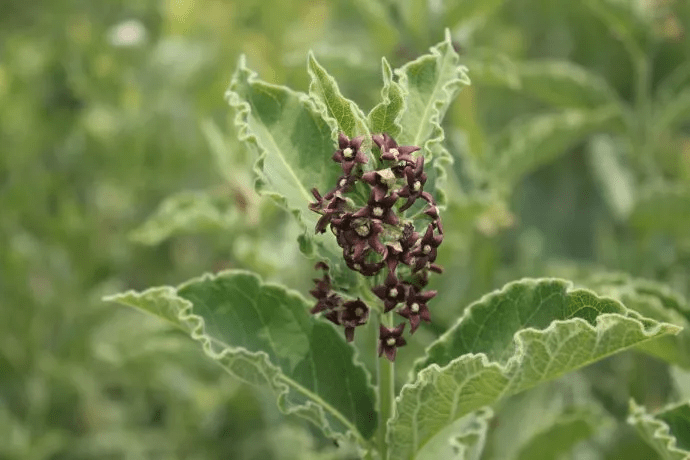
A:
(527, 144)
(187, 212)
(469, 11)
(462, 440)
(341, 114)
(546, 422)
(625, 23)
(616, 180)
(663, 209)
(668, 431)
(510, 340)
(385, 117)
(670, 114)
(263, 334)
(654, 300)
(430, 83)
(294, 145)
(565, 84)
(675, 83)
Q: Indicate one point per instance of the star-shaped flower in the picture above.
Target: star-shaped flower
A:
(392, 292)
(415, 308)
(349, 152)
(390, 150)
(390, 340)
(353, 313)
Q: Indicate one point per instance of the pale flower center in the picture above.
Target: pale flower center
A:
(394, 152)
(357, 266)
(390, 341)
(393, 292)
(342, 182)
(414, 308)
(347, 153)
(426, 249)
(377, 211)
(416, 186)
(359, 311)
(362, 230)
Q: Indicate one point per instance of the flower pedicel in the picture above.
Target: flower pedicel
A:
(376, 237)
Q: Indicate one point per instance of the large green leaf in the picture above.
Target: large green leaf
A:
(187, 212)
(653, 300)
(341, 113)
(527, 144)
(263, 334)
(463, 439)
(385, 116)
(294, 145)
(667, 431)
(528, 332)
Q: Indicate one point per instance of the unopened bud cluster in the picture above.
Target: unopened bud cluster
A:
(375, 236)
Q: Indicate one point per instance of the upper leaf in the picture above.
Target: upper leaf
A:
(668, 431)
(385, 117)
(294, 145)
(528, 332)
(263, 334)
(430, 83)
(341, 114)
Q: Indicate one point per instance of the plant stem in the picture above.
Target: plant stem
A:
(386, 388)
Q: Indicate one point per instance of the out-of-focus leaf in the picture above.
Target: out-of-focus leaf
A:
(565, 84)
(341, 113)
(675, 83)
(527, 144)
(614, 177)
(294, 145)
(625, 23)
(263, 334)
(673, 112)
(529, 332)
(667, 431)
(663, 209)
(385, 116)
(467, 11)
(545, 422)
(187, 212)
(462, 440)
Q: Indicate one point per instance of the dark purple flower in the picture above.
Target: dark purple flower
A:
(362, 266)
(390, 150)
(353, 313)
(416, 178)
(415, 308)
(349, 152)
(362, 234)
(380, 208)
(392, 292)
(426, 252)
(390, 340)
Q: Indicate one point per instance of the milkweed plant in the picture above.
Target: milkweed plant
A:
(368, 192)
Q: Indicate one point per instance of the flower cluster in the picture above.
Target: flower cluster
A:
(366, 212)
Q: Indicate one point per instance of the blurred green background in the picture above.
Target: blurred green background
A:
(107, 109)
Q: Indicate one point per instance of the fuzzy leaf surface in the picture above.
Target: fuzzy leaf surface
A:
(430, 83)
(263, 334)
(528, 332)
(293, 144)
(385, 116)
(341, 113)
(186, 212)
(668, 431)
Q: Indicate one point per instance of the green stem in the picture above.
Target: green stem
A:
(386, 389)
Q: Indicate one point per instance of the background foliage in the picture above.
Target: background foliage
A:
(119, 169)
